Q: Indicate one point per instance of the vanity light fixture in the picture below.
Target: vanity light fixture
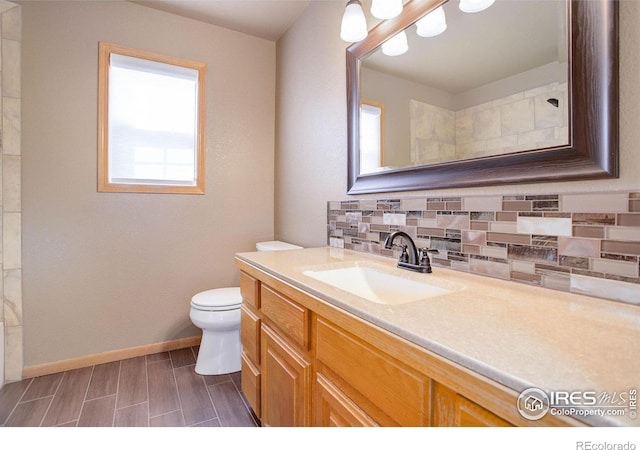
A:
(396, 46)
(432, 24)
(386, 9)
(473, 6)
(354, 24)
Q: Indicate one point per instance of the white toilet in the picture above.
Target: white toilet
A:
(217, 312)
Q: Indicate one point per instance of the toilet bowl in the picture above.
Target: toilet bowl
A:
(217, 313)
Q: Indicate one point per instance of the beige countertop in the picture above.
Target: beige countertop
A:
(519, 335)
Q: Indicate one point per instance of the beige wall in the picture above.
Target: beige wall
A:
(311, 148)
(109, 271)
(311, 133)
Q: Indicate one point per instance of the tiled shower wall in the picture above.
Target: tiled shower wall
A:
(10, 204)
(521, 121)
(582, 243)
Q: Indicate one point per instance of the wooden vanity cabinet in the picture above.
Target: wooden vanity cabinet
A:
(308, 363)
(276, 367)
(250, 322)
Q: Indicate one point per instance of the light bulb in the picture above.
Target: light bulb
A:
(386, 9)
(354, 24)
(472, 6)
(395, 46)
(432, 24)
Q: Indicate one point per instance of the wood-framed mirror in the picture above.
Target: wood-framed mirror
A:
(588, 150)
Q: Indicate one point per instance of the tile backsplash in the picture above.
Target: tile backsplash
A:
(583, 243)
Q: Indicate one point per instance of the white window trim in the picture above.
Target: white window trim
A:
(381, 138)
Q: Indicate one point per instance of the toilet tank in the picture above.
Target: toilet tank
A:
(270, 246)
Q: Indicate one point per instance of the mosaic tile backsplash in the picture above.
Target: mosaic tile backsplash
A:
(582, 243)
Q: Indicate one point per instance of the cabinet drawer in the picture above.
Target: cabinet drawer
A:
(389, 392)
(334, 409)
(250, 333)
(288, 317)
(250, 383)
(250, 290)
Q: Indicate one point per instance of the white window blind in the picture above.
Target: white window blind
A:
(153, 122)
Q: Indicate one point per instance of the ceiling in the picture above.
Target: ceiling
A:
(267, 19)
(509, 38)
(504, 34)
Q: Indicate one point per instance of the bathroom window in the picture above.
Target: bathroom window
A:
(151, 122)
(371, 135)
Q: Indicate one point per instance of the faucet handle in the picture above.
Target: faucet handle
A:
(424, 259)
(404, 256)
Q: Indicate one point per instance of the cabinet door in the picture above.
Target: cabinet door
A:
(332, 408)
(451, 409)
(469, 414)
(286, 383)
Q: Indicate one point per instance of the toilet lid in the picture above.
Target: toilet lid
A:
(223, 298)
(269, 246)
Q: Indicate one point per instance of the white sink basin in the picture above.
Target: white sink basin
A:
(377, 286)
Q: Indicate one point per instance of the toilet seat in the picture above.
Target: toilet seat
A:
(223, 299)
(270, 246)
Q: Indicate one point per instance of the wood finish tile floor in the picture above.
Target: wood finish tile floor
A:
(160, 390)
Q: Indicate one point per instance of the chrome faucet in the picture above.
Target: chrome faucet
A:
(410, 260)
